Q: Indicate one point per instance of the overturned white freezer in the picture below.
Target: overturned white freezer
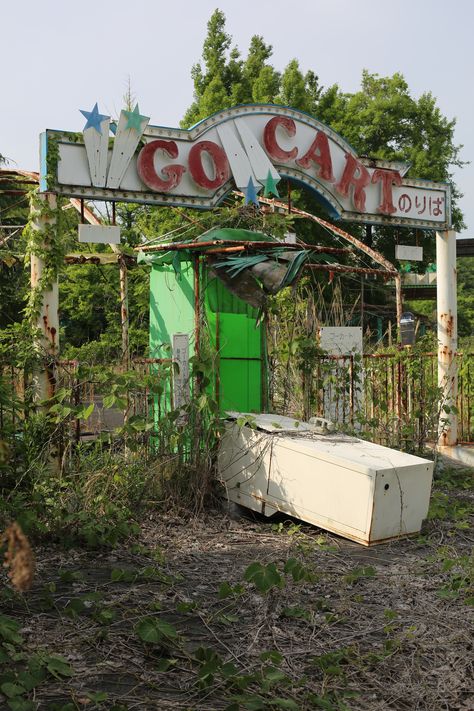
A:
(357, 489)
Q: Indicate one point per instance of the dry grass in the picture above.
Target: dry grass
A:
(19, 559)
(380, 629)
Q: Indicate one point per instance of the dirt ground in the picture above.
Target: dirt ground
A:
(344, 628)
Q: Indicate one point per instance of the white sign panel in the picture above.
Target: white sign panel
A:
(181, 374)
(99, 234)
(409, 253)
(257, 144)
(343, 341)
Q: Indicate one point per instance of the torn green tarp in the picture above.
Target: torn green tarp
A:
(231, 234)
(273, 270)
(165, 258)
(250, 277)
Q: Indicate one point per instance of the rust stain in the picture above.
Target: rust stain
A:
(51, 381)
(447, 320)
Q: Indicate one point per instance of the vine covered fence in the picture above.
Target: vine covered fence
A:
(390, 398)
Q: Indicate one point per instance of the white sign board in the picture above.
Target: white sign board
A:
(409, 253)
(343, 400)
(181, 374)
(341, 340)
(99, 234)
(257, 144)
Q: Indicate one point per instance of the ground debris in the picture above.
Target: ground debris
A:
(175, 621)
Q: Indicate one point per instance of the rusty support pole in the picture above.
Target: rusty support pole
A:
(47, 321)
(447, 335)
(124, 316)
(398, 299)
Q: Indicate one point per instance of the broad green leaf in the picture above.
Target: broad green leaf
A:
(164, 664)
(272, 656)
(285, 704)
(19, 704)
(295, 612)
(264, 577)
(122, 575)
(106, 617)
(166, 629)
(33, 677)
(58, 666)
(70, 576)
(274, 675)
(86, 412)
(297, 571)
(11, 690)
(147, 631)
(224, 591)
(152, 630)
(97, 696)
(9, 630)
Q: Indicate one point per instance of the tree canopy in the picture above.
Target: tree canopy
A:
(381, 120)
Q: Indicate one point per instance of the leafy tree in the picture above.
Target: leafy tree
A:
(14, 281)
(383, 120)
(212, 87)
(298, 90)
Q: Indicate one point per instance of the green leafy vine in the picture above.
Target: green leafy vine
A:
(46, 244)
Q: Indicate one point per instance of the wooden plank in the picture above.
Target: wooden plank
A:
(91, 258)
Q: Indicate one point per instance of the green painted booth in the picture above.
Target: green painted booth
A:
(228, 326)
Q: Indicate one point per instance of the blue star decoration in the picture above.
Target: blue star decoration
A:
(134, 119)
(94, 118)
(251, 194)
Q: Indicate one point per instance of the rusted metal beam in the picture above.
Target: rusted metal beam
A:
(376, 256)
(223, 250)
(96, 258)
(348, 269)
(169, 247)
(14, 192)
(372, 253)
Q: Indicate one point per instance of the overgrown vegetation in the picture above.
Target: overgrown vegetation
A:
(212, 614)
(205, 613)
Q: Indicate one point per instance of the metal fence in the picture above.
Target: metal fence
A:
(393, 398)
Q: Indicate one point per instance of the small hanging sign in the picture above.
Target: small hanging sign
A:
(99, 234)
(181, 392)
(411, 254)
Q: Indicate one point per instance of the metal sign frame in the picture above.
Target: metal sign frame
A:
(249, 145)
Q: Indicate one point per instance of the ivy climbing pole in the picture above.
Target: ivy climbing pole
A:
(45, 253)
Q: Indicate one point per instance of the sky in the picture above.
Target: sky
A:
(62, 56)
